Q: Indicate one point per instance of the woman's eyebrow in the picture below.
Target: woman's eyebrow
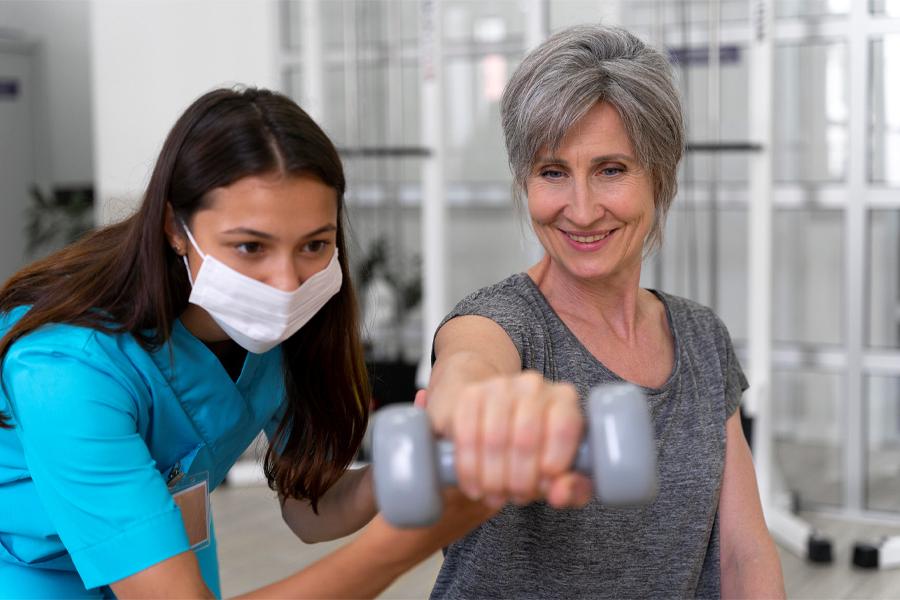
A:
(248, 231)
(324, 229)
(543, 160)
(612, 157)
(269, 236)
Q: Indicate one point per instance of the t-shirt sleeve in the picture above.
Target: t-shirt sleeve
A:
(77, 422)
(735, 380)
(506, 308)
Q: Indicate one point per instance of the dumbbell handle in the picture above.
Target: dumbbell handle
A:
(444, 454)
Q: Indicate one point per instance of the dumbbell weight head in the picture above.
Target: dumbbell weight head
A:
(406, 467)
(621, 445)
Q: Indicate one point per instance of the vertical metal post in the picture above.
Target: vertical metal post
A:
(759, 402)
(434, 211)
(713, 120)
(855, 245)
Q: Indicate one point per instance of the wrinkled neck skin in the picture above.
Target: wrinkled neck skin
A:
(614, 304)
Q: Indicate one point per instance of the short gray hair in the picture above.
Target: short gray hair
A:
(560, 80)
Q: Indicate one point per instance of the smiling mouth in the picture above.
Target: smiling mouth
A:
(588, 239)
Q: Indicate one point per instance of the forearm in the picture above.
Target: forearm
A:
(344, 509)
(361, 569)
(372, 561)
(755, 572)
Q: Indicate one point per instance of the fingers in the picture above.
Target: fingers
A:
(565, 425)
(570, 490)
(516, 437)
(495, 435)
(421, 399)
(526, 441)
(466, 419)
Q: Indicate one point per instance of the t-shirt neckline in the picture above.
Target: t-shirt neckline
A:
(650, 391)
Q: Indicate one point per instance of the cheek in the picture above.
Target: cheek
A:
(307, 267)
(544, 206)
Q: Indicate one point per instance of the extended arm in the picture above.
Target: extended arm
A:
(515, 433)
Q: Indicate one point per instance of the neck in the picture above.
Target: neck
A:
(615, 304)
(201, 325)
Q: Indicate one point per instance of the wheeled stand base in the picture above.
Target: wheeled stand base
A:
(798, 536)
(884, 554)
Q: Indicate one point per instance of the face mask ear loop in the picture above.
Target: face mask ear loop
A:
(196, 247)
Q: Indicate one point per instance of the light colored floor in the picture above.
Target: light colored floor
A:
(256, 548)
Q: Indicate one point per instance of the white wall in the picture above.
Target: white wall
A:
(151, 59)
(63, 107)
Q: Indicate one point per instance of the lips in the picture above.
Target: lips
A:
(588, 238)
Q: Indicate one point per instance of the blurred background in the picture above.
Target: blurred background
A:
(409, 92)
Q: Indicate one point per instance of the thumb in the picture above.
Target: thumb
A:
(421, 400)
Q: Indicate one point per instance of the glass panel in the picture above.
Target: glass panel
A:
(884, 120)
(808, 251)
(292, 84)
(884, 279)
(356, 26)
(890, 8)
(811, 8)
(811, 114)
(692, 68)
(474, 146)
(484, 41)
(290, 24)
(563, 13)
(883, 473)
(808, 436)
(683, 264)
(638, 16)
(495, 22)
(685, 258)
(732, 264)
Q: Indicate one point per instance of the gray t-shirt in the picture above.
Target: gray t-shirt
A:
(668, 549)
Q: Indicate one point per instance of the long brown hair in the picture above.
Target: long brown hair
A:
(125, 278)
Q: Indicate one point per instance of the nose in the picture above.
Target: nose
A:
(585, 205)
(287, 276)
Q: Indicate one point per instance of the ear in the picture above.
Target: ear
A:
(174, 234)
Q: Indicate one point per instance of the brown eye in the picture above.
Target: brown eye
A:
(315, 246)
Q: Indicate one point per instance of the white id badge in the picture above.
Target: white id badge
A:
(191, 494)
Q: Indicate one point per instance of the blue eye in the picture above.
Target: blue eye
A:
(611, 171)
(551, 173)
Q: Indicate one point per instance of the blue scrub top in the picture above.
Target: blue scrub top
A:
(99, 423)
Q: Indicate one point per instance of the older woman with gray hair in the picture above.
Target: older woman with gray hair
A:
(594, 133)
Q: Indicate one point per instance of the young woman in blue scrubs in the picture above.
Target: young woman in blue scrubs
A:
(140, 362)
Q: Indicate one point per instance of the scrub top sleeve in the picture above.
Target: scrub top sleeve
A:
(77, 422)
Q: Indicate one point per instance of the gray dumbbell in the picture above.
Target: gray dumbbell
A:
(410, 467)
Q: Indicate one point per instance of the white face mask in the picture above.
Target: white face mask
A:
(255, 315)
